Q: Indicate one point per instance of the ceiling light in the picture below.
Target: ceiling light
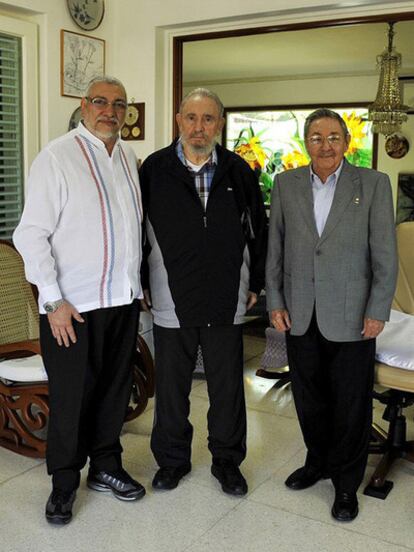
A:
(387, 112)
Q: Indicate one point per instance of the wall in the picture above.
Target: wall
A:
(297, 91)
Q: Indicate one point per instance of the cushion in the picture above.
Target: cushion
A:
(395, 344)
(23, 370)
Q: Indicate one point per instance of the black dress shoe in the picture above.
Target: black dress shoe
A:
(119, 483)
(168, 477)
(345, 507)
(230, 477)
(303, 478)
(59, 506)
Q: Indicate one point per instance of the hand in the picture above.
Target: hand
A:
(372, 328)
(146, 301)
(280, 320)
(251, 299)
(61, 323)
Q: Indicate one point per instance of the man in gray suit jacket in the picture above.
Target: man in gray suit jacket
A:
(330, 279)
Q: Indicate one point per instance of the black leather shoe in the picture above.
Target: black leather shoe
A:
(168, 477)
(303, 478)
(345, 507)
(59, 506)
(119, 483)
(230, 477)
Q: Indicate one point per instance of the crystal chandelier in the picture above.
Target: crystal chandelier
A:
(387, 112)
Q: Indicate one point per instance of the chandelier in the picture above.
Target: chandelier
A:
(387, 112)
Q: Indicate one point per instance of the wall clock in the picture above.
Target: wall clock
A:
(87, 14)
(134, 126)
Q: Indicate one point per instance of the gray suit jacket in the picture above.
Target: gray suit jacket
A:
(350, 271)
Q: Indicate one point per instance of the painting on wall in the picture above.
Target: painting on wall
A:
(82, 59)
(271, 140)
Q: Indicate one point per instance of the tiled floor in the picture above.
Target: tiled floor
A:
(197, 516)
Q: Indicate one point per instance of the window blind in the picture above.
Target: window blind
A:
(11, 149)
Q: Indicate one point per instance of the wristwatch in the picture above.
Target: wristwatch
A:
(53, 306)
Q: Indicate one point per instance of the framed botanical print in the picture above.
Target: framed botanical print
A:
(82, 59)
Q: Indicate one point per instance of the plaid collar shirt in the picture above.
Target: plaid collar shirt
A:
(203, 177)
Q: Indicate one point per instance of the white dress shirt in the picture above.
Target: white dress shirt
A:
(80, 232)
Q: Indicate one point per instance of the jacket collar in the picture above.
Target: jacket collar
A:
(174, 166)
(346, 188)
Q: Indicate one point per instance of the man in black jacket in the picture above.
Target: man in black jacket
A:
(206, 246)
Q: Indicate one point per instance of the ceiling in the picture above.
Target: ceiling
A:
(328, 52)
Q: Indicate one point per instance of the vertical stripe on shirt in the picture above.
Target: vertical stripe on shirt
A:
(109, 245)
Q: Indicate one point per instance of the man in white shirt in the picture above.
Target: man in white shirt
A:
(80, 238)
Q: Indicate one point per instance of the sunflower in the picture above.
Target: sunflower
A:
(355, 126)
(294, 159)
(253, 153)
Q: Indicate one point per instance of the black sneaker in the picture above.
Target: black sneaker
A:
(59, 506)
(119, 483)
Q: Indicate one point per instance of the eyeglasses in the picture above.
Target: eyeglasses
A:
(332, 139)
(102, 103)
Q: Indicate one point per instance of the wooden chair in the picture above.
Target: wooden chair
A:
(24, 393)
(393, 444)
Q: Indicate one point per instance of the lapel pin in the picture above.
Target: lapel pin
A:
(356, 201)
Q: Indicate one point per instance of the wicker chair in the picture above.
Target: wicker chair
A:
(24, 404)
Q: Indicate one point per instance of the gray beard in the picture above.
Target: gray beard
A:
(102, 135)
(200, 150)
(105, 135)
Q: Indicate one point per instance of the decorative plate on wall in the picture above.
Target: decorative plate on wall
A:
(87, 14)
(397, 146)
(134, 126)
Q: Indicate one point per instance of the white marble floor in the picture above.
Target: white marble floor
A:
(197, 516)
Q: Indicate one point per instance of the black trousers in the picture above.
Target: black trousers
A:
(332, 387)
(89, 386)
(175, 358)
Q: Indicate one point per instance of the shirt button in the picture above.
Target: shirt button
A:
(318, 252)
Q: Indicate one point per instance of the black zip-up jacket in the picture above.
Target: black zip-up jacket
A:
(202, 263)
